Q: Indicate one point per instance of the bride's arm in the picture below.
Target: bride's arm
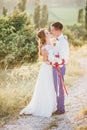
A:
(44, 53)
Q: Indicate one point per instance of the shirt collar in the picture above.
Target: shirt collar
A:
(59, 37)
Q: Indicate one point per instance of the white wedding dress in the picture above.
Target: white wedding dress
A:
(43, 102)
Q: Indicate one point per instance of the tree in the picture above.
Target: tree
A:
(44, 18)
(80, 16)
(4, 11)
(86, 16)
(37, 14)
(22, 5)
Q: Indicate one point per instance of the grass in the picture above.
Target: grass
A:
(16, 88)
(17, 85)
(81, 128)
(72, 69)
(82, 113)
(52, 125)
(85, 111)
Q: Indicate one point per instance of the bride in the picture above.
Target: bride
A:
(43, 102)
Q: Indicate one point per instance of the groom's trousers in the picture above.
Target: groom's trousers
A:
(59, 88)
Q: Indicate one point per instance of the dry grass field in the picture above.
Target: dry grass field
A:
(17, 85)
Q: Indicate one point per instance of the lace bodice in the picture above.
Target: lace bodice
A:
(47, 47)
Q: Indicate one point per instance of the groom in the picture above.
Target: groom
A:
(61, 49)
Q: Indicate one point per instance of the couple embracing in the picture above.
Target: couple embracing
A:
(48, 96)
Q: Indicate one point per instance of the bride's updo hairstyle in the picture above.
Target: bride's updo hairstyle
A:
(42, 39)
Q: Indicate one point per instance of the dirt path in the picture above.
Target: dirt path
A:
(76, 102)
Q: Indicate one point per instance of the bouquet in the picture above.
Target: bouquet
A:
(55, 60)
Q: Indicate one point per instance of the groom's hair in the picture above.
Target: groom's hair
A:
(57, 25)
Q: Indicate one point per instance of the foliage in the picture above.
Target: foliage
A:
(80, 16)
(77, 42)
(22, 5)
(4, 11)
(37, 14)
(18, 42)
(76, 35)
(86, 16)
(44, 18)
(40, 15)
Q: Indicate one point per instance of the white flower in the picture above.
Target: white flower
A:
(58, 60)
(53, 59)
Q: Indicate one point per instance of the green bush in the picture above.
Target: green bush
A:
(18, 42)
(68, 33)
(78, 30)
(76, 34)
(77, 42)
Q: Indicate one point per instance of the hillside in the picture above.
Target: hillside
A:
(63, 10)
(30, 3)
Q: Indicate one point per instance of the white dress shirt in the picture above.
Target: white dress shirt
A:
(61, 48)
